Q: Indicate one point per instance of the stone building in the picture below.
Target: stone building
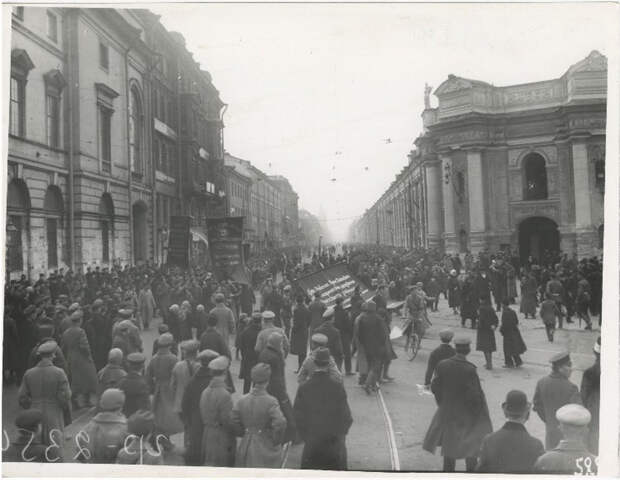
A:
(290, 210)
(521, 166)
(238, 192)
(83, 121)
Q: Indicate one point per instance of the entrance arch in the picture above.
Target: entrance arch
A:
(536, 236)
(53, 206)
(140, 236)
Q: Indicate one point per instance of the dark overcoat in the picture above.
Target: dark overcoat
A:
(82, 371)
(513, 342)
(249, 356)
(299, 329)
(591, 396)
(372, 335)
(137, 393)
(509, 450)
(334, 342)
(323, 420)
(442, 352)
(454, 292)
(485, 338)
(190, 406)
(552, 392)
(462, 417)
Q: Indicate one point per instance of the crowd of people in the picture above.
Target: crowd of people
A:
(74, 339)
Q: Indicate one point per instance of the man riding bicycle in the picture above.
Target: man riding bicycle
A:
(415, 303)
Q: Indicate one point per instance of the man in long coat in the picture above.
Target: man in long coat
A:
(269, 327)
(158, 375)
(485, 338)
(249, 356)
(102, 326)
(373, 338)
(82, 371)
(110, 375)
(591, 396)
(334, 341)
(462, 417)
(46, 388)
(299, 331)
(257, 418)
(514, 346)
(182, 373)
(225, 318)
(218, 440)
(324, 429)
(191, 409)
(146, 307)
(553, 392)
(442, 352)
(344, 324)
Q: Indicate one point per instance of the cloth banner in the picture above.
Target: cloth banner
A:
(225, 236)
(331, 282)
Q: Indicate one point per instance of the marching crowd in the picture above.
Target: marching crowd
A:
(73, 338)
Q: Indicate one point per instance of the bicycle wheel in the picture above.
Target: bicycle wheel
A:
(413, 346)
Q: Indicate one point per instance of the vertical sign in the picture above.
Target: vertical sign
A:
(225, 237)
(179, 240)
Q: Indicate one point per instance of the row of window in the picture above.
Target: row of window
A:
(15, 256)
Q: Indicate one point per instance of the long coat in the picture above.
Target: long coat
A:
(299, 329)
(334, 341)
(361, 364)
(82, 371)
(225, 321)
(46, 388)
(277, 385)
(110, 376)
(102, 339)
(552, 392)
(485, 338)
(591, 396)
(182, 373)
(159, 375)
(513, 342)
(249, 356)
(442, 352)
(146, 307)
(528, 296)
(454, 292)
(218, 440)
(462, 417)
(194, 454)
(372, 336)
(509, 450)
(323, 420)
(317, 308)
(258, 419)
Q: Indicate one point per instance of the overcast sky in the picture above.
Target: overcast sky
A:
(314, 90)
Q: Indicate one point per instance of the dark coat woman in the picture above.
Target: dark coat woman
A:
(513, 342)
(190, 407)
(485, 338)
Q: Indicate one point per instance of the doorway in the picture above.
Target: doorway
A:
(140, 244)
(536, 236)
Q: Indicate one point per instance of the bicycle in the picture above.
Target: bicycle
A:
(414, 339)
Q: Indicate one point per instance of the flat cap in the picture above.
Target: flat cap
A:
(462, 340)
(74, 306)
(219, 297)
(165, 340)
(206, 354)
(560, 358)
(141, 423)
(419, 285)
(446, 335)
(136, 358)
(97, 303)
(268, 315)
(125, 324)
(115, 355)
(321, 357)
(29, 419)
(112, 399)
(257, 316)
(163, 328)
(219, 364)
(261, 373)
(319, 338)
(573, 414)
(76, 316)
(190, 345)
(125, 313)
(47, 347)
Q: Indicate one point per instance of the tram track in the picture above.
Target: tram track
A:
(391, 437)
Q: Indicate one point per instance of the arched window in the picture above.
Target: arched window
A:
(18, 209)
(534, 177)
(135, 131)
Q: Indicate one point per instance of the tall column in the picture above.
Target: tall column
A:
(583, 209)
(433, 204)
(475, 193)
(448, 204)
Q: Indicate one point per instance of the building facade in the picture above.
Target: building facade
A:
(84, 163)
(273, 219)
(521, 166)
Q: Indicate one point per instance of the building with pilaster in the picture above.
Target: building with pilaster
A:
(520, 166)
(94, 101)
